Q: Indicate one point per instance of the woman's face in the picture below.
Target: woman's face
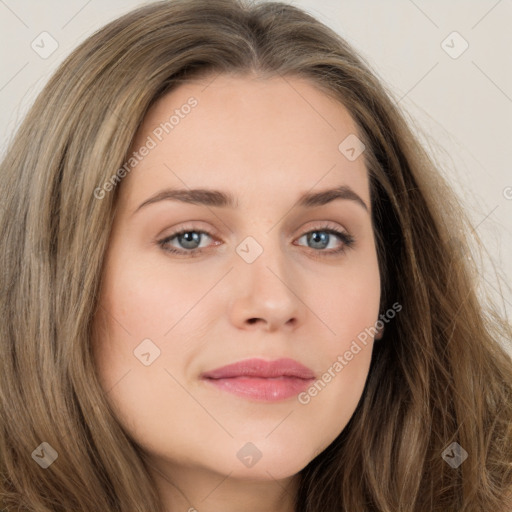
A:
(266, 277)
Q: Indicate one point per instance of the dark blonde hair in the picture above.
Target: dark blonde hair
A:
(439, 374)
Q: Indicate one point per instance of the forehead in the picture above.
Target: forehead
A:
(246, 132)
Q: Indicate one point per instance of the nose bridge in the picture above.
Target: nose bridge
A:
(268, 273)
(265, 289)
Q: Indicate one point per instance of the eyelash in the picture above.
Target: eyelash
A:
(346, 239)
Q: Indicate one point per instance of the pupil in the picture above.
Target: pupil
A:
(190, 236)
(318, 234)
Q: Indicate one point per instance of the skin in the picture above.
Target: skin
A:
(266, 141)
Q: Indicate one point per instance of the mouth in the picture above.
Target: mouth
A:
(260, 380)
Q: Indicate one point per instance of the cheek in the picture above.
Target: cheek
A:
(346, 300)
(147, 301)
(349, 311)
(333, 397)
(143, 301)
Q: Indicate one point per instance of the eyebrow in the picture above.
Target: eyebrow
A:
(220, 199)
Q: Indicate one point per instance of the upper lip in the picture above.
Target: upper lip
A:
(284, 367)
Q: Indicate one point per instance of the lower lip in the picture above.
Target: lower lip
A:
(262, 389)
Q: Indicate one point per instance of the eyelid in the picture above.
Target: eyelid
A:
(212, 232)
(192, 226)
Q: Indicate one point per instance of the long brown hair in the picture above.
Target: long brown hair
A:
(439, 375)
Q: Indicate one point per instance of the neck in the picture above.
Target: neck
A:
(201, 490)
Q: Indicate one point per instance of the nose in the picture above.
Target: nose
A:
(266, 296)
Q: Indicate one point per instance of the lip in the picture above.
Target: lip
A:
(261, 380)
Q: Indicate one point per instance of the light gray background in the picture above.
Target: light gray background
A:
(462, 107)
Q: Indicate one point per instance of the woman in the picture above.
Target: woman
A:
(230, 282)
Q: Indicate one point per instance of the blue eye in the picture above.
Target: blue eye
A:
(320, 238)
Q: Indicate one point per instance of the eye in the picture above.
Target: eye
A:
(321, 238)
(189, 241)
